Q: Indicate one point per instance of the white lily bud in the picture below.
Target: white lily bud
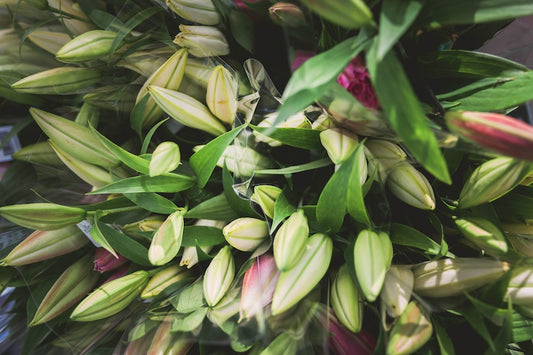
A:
(202, 41)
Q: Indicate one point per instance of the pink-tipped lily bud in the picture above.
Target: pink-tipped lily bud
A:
(286, 14)
(499, 133)
(258, 286)
(105, 261)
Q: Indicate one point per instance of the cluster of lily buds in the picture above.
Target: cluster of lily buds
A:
(202, 41)
(202, 12)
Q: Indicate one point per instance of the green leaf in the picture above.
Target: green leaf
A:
(216, 208)
(124, 245)
(404, 112)
(190, 299)
(309, 82)
(152, 202)
(133, 161)
(144, 183)
(452, 12)
(137, 114)
(522, 328)
(242, 29)
(202, 236)
(282, 208)
(295, 137)
(99, 237)
(476, 321)
(444, 340)
(296, 168)
(401, 234)
(148, 138)
(239, 205)
(331, 206)
(355, 202)
(190, 322)
(395, 18)
(204, 161)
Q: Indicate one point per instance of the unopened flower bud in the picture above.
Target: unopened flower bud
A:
(294, 284)
(242, 161)
(166, 241)
(90, 45)
(286, 14)
(339, 143)
(49, 41)
(385, 155)
(284, 343)
(350, 14)
(412, 330)
(167, 342)
(219, 276)
(265, 196)
(290, 241)
(58, 81)
(202, 41)
(397, 289)
(105, 261)
(483, 233)
(226, 308)
(200, 11)
(165, 158)
(163, 279)
(221, 95)
(43, 216)
(411, 186)
(451, 277)
(298, 120)
(346, 300)
(110, 298)
(246, 233)
(40, 153)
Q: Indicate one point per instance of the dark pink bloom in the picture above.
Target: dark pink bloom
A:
(105, 261)
(300, 56)
(356, 80)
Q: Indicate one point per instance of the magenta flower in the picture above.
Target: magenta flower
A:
(300, 57)
(105, 261)
(356, 80)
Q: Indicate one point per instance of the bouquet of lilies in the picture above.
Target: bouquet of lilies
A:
(263, 177)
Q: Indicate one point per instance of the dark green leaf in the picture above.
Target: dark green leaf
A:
(144, 183)
(355, 202)
(204, 161)
(401, 234)
(295, 137)
(216, 208)
(282, 208)
(405, 114)
(148, 138)
(476, 321)
(33, 337)
(190, 299)
(296, 168)
(118, 202)
(99, 237)
(238, 204)
(152, 202)
(331, 206)
(522, 328)
(242, 29)
(395, 18)
(137, 115)
(202, 236)
(445, 342)
(125, 245)
(189, 322)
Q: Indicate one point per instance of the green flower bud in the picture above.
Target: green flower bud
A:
(200, 11)
(452, 277)
(38, 153)
(265, 196)
(523, 244)
(286, 14)
(385, 155)
(283, 344)
(110, 298)
(351, 14)
(146, 62)
(73, 284)
(42, 216)
(246, 233)
(346, 300)
(163, 279)
(372, 258)
(491, 180)
(290, 241)
(397, 289)
(186, 110)
(339, 143)
(483, 233)
(323, 122)
(298, 120)
(294, 284)
(412, 330)
(226, 308)
(520, 287)
(189, 257)
(167, 342)
(219, 276)
(90, 45)
(43, 245)
(202, 41)
(411, 186)
(79, 24)
(88, 115)
(49, 41)
(58, 81)
(75, 139)
(221, 96)
(166, 242)
(198, 71)
(165, 158)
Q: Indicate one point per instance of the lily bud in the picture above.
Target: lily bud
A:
(339, 143)
(412, 330)
(90, 45)
(146, 62)
(198, 71)
(75, 139)
(169, 76)
(286, 14)
(58, 81)
(346, 300)
(166, 242)
(350, 14)
(105, 261)
(202, 41)
(397, 289)
(165, 158)
(246, 233)
(298, 120)
(523, 244)
(38, 153)
(295, 283)
(148, 224)
(43, 245)
(452, 277)
(189, 257)
(499, 133)
(372, 258)
(110, 298)
(323, 122)
(167, 342)
(242, 161)
(258, 286)
(492, 179)
(49, 41)
(186, 110)
(88, 115)
(385, 154)
(73, 284)
(411, 186)
(163, 279)
(43, 216)
(77, 25)
(284, 343)
(342, 341)
(200, 11)
(483, 233)
(520, 287)
(265, 196)
(221, 96)
(218, 276)
(290, 241)
(225, 309)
